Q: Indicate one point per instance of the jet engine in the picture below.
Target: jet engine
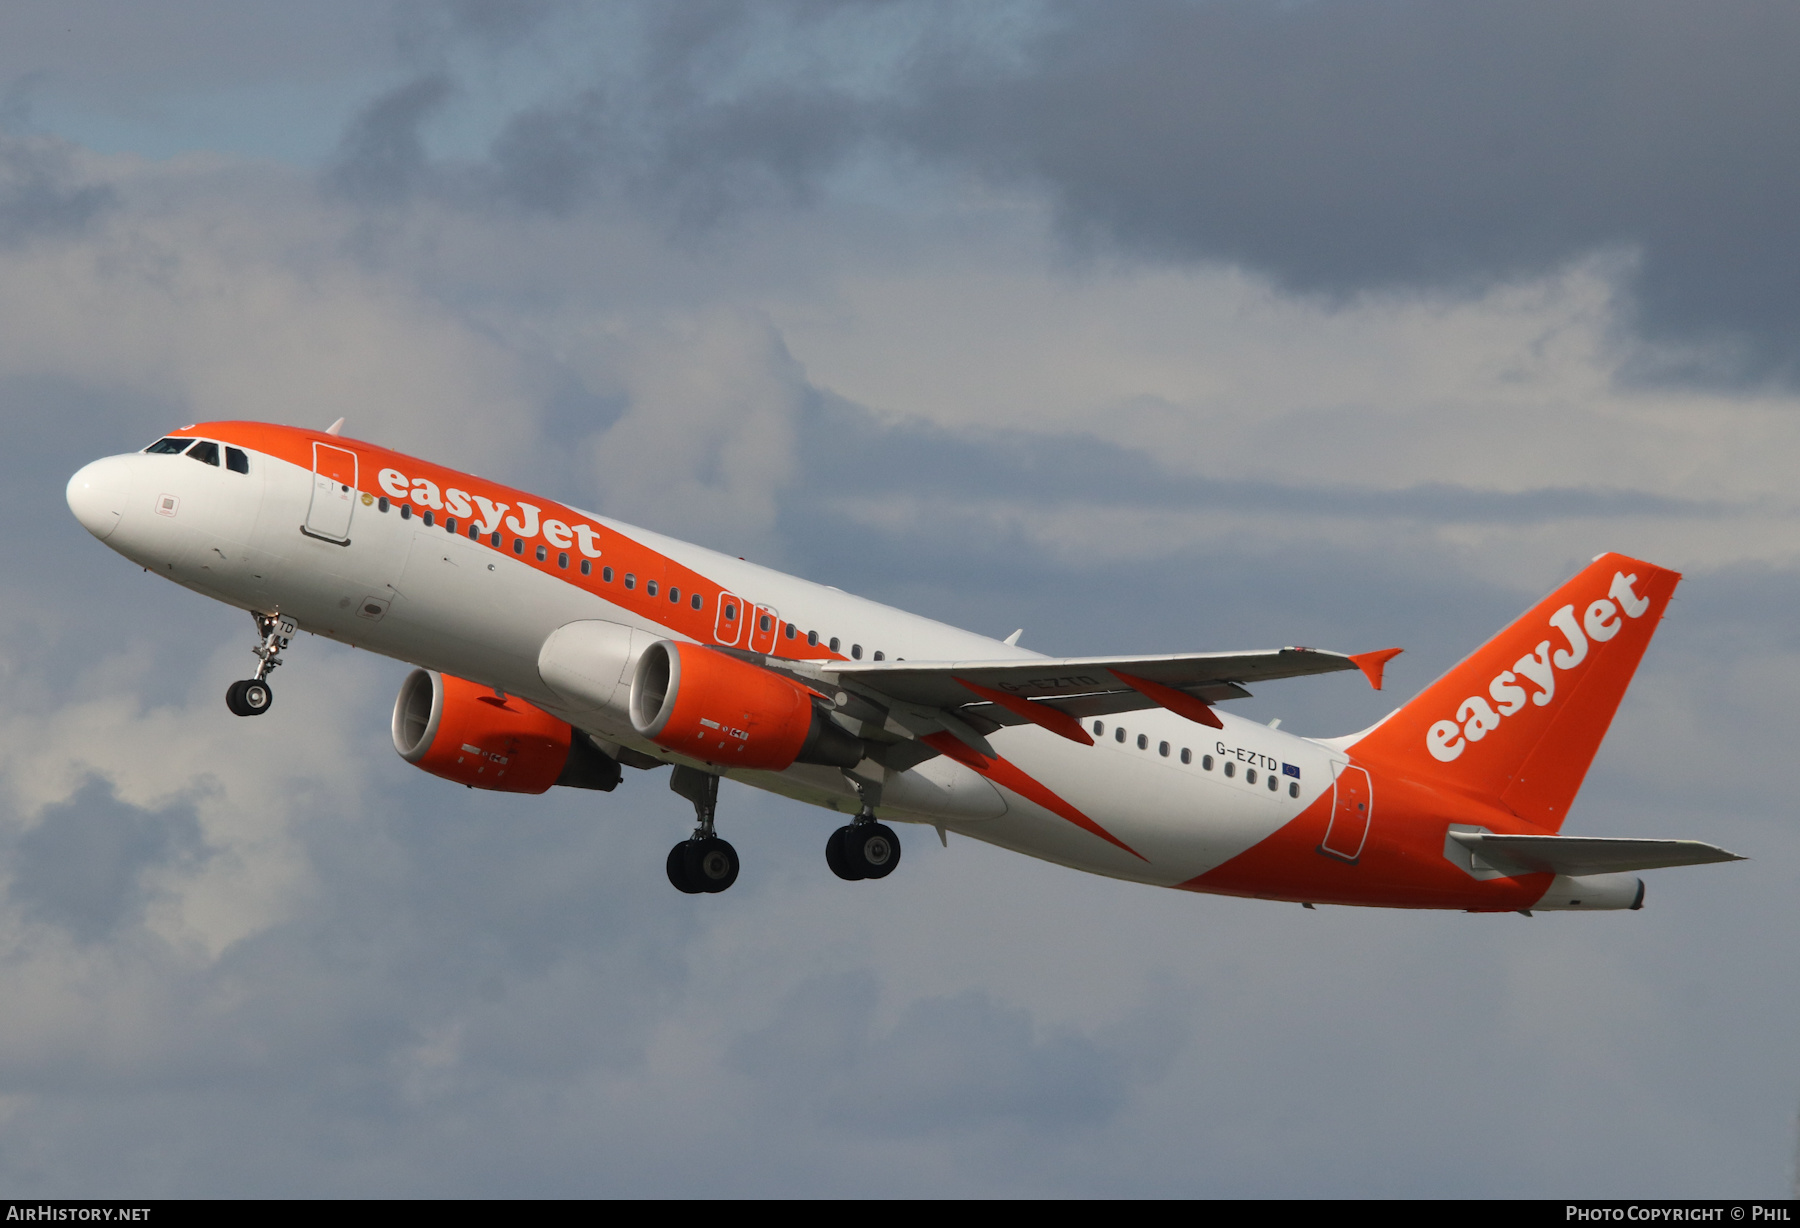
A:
(713, 707)
(470, 734)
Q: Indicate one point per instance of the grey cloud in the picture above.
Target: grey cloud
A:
(710, 160)
(500, 23)
(1382, 143)
(954, 1063)
(381, 155)
(670, 130)
(1337, 148)
(549, 158)
(41, 195)
(82, 865)
(1055, 470)
(130, 54)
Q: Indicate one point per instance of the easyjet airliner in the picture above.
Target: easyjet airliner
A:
(558, 647)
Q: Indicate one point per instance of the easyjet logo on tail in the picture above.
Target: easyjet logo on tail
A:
(1476, 717)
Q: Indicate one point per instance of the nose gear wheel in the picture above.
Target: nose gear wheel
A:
(252, 696)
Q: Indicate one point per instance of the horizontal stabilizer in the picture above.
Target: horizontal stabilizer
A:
(1584, 854)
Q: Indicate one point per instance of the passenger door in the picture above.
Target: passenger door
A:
(333, 493)
(1352, 800)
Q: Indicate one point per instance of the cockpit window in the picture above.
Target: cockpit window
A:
(206, 452)
(170, 445)
(236, 461)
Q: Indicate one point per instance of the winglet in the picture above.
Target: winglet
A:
(335, 427)
(1372, 663)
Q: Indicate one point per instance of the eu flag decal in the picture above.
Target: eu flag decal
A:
(1288, 769)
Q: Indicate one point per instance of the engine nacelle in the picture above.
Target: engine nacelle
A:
(714, 707)
(466, 733)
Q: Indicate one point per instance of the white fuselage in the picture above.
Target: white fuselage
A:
(436, 599)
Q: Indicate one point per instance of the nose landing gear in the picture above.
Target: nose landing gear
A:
(252, 696)
(703, 862)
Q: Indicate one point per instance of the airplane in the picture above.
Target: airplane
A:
(554, 646)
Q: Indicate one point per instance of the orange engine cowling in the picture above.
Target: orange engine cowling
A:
(714, 707)
(468, 733)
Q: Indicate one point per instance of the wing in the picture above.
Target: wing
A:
(969, 699)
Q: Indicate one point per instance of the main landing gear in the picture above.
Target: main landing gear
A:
(252, 696)
(865, 847)
(702, 862)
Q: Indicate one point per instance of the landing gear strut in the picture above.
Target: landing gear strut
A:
(865, 847)
(252, 696)
(702, 862)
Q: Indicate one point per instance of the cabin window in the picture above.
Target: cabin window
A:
(172, 446)
(1099, 726)
(1230, 768)
(630, 580)
(474, 532)
(1119, 733)
(587, 567)
(674, 595)
(1294, 789)
(1206, 763)
(880, 655)
(494, 541)
(1187, 756)
(382, 504)
(1162, 748)
(562, 560)
(406, 511)
(731, 611)
(650, 587)
(1274, 782)
(834, 643)
(606, 574)
(449, 524)
(1143, 741)
(812, 639)
(763, 623)
(543, 552)
(695, 602)
(518, 545)
(206, 452)
(856, 652)
(430, 518)
(236, 461)
(1249, 776)
(790, 630)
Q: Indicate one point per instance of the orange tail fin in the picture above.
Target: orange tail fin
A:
(1519, 720)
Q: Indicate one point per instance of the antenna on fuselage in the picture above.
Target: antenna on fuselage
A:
(335, 427)
(1014, 637)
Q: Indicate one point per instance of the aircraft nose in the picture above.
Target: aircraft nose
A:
(97, 494)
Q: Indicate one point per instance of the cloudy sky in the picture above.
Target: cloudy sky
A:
(1147, 328)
